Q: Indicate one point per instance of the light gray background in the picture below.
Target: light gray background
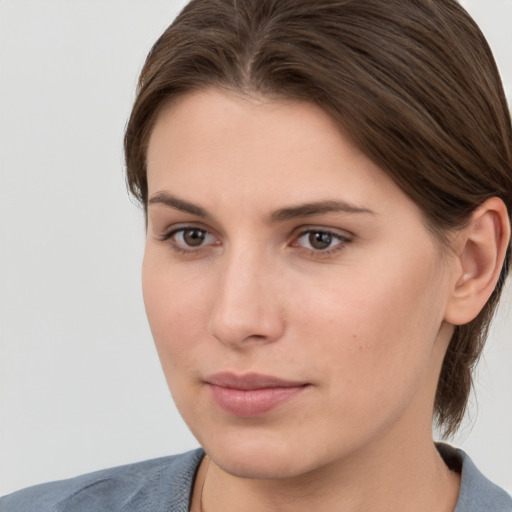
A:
(80, 384)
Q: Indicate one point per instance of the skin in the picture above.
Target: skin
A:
(363, 322)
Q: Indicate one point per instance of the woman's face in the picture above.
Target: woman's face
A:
(295, 296)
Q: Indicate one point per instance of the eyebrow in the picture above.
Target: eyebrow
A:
(178, 204)
(317, 208)
(283, 214)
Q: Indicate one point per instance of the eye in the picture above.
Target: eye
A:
(189, 238)
(192, 237)
(318, 240)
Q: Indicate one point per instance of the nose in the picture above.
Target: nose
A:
(247, 307)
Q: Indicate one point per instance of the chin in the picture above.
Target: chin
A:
(259, 465)
(259, 456)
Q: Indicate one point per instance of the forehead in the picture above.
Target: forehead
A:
(211, 118)
(215, 137)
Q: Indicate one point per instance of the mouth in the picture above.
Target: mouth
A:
(252, 394)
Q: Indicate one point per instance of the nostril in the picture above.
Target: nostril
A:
(245, 309)
(257, 326)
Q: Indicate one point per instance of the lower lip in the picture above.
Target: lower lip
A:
(253, 402)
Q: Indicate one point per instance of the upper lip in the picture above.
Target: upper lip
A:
(250, 381)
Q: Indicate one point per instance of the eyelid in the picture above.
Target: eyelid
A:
(171, 231)
(343, 237)
(339, 233)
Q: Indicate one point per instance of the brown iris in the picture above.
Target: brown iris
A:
(319, 240)
(194, 237)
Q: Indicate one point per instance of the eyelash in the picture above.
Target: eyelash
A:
(169, 237)
(318, 253)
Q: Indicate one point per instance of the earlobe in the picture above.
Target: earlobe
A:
(481, 248)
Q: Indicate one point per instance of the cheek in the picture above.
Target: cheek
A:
(174, 309)
(374, 330)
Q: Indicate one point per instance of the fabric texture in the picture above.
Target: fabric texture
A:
(165, 485)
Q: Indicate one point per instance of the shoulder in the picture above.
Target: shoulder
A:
(477, 493)
(158, 485)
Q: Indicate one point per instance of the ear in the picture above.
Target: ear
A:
(480, 249)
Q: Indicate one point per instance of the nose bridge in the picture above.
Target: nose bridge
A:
(246, 305)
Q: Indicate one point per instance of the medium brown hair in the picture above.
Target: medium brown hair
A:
(412, 81)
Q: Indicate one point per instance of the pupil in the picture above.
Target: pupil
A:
(320, 240)
(194, 237)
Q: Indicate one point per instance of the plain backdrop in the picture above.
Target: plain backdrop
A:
(80, 383)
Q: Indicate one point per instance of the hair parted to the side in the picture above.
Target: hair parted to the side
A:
(413, 82)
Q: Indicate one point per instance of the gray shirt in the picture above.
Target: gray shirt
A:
(165, 484)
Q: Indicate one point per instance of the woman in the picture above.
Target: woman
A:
(328, 192)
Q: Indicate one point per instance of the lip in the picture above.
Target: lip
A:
(252, 394)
